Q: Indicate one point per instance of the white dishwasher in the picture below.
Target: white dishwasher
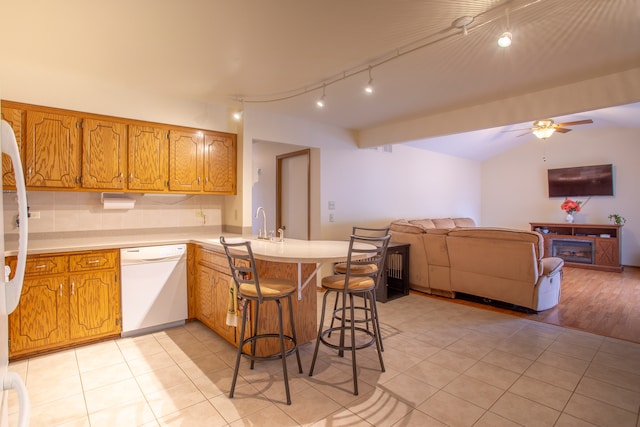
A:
(154, 288)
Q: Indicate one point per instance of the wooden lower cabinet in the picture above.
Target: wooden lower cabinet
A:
(41, 320)
(66, 299)
(211, 300)
(94, 305)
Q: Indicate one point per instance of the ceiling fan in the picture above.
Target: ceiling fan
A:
(543, 129)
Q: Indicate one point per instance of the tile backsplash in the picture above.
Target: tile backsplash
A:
(83, 211)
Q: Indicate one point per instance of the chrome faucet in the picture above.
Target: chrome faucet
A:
(262, 234)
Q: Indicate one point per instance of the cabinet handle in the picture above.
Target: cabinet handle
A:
(73, 288)
(206, 180)
(41, 266)
(121, 176)
(93, 261)
(198, 180)
(131, 177)
(29, 172)
(60, 289)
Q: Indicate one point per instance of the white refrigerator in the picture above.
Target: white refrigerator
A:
(10, 297)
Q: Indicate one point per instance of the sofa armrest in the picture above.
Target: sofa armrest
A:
(551, 265)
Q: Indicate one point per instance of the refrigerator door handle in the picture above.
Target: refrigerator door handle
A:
(13, 287)
(12, 381)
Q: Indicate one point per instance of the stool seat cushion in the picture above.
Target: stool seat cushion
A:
(336, 282)
(356, 268)
(270, 288)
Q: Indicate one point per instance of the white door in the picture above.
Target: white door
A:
(292, 211)
(10, 290)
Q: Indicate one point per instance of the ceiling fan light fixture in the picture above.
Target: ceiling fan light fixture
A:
(505, 39)
(544, 132)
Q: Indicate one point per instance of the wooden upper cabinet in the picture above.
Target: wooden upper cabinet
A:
(148, 158)
(52, 146)
(219, 163)
(67, 150)
(104, 154)
(185, 160)
(15, 118)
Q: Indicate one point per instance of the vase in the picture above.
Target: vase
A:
(569, 218)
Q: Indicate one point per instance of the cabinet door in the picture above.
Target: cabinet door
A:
(212, 299)
(185, 161)
(607, 252)
(221, 306)
(52, 150)
(94, 304)
(42, 318)
(219, 164)
(148, 158)
(204, 307)
(15, 118)
(104, 154)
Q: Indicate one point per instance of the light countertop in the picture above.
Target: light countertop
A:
(291, 250)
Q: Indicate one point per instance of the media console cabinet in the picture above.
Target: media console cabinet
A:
(594, 246)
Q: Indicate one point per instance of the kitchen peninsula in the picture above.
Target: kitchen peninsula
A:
(208, 277)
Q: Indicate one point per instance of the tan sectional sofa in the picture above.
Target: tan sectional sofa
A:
(450, 255)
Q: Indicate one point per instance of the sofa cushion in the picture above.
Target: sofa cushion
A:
(464, 222)
(426, 224)
(444, 223)
(403, 226)
(504, 234)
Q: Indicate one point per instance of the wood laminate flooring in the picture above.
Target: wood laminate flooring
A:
(600, 302)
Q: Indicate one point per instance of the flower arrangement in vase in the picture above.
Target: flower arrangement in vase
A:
(570, 207)
(617, 219)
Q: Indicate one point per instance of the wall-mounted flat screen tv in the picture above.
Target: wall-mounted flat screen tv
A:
(596, 180)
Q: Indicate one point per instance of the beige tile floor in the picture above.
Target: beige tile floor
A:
(447, 365)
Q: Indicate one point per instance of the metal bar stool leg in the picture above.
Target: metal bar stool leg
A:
(320, 329)
(293, 334)
(239, 352)
(255, 332)
(353, 346)
(283, 355)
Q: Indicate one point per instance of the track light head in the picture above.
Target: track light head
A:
(321, 102)
(369, 87)
(505, 39)
(237, 115)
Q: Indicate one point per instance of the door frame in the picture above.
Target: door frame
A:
(279, 159)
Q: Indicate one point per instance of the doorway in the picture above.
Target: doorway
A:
(293, 179)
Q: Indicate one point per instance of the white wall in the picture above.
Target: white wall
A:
(514, 184)
(369, 187)
(372, 188)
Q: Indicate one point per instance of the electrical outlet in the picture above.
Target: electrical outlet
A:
(35, 215)
(332, 218)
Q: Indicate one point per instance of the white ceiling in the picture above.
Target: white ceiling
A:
(215, 51)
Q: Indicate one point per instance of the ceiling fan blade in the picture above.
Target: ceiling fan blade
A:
(516, 130)
(579, 122)
(523, 134)
(563, 130)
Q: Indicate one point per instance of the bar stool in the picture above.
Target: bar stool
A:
(366, 253)
(361, 269)
(259, 291)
